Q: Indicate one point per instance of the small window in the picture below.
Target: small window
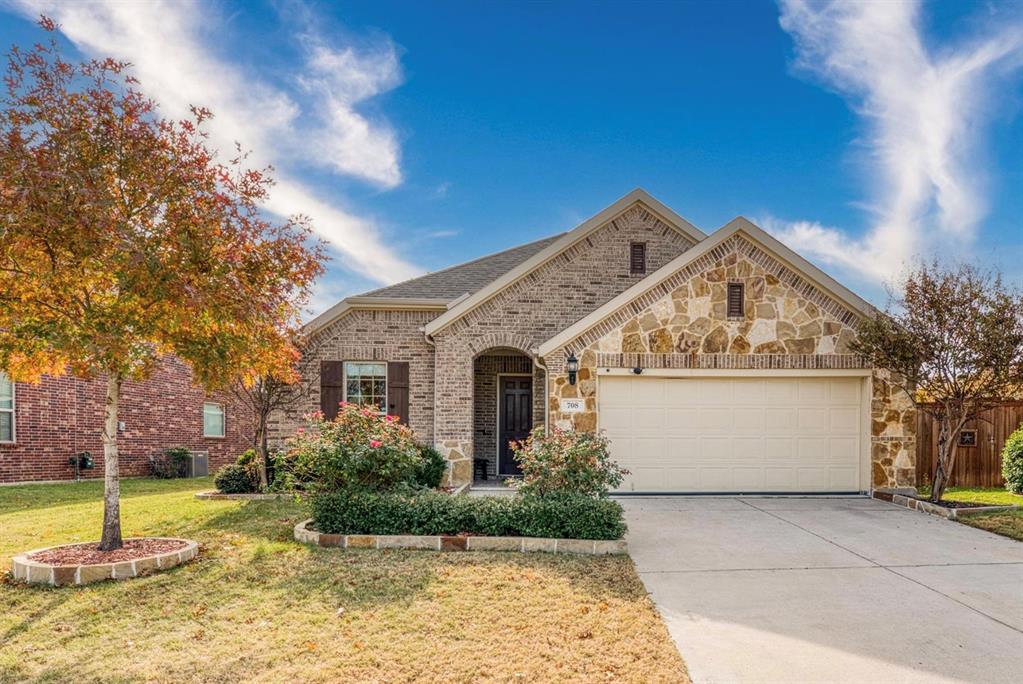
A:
(6, 409)
(366, 383)
(212, 420)
(736, 300)
(637, 258)
(967, 438)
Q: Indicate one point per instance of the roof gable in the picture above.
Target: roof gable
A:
(563, 243)
(803, 274)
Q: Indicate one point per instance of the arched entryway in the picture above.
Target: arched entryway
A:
(507, 403)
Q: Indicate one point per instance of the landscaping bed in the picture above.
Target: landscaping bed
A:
(305, 533)
(84, 563)
(311, 614)
(950, 509)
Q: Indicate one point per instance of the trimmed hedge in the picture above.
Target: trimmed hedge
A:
(560, 516)
(235, 479)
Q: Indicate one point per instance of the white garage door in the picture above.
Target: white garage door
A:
(700, 434)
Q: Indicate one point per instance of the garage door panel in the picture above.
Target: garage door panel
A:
(644, 418)
(682, 420)
(714, 419)
(843, 420)
(843, 392)
(734, 434)
(748, 419)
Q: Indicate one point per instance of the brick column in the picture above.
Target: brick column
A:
(453, 407)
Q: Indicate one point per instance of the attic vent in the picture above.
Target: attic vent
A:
(735, 300)
(637, 258)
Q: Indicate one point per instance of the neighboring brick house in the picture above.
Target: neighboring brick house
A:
(713, 363)
(43, 425)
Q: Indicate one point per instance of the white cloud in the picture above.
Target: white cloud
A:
(925, 111)
(340, 79)
(172, 46)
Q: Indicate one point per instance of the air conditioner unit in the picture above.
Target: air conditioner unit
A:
(199, 464)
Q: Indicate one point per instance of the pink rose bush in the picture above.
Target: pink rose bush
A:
(565, 462)
(360, 449)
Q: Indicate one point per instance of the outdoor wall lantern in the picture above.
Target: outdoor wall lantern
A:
(572, 366)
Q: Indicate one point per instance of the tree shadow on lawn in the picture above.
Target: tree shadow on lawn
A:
(261, 531)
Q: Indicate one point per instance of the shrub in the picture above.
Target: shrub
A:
(235, 479)
(360, 449)
(561, 516)
(171, 463)
(1012, 462)
(566, 462)
(432, 469)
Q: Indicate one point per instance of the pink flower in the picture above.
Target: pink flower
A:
(375, 443)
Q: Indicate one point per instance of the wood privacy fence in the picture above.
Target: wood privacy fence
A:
(976, 466)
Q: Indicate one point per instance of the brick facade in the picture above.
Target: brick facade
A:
(63, 416)
(368, 335)
(788, 323)
(537, 307)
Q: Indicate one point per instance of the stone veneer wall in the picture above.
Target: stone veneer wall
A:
(370, 335)
(535, 308)
(788, 323)
(485, 373)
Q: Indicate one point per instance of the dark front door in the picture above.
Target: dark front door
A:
(515, 419)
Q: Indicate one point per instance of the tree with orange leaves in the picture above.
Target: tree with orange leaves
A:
(123, 239)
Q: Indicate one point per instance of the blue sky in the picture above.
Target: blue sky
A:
(418, 135)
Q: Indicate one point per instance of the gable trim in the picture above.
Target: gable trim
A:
(349, 304)
(708, 251)
(637, 196)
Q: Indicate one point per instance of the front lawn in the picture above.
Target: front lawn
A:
(258, 606)
(988, 496)
(1007, 523)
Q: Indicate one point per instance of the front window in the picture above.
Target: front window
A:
(212, 420)
(6, 409)
(366, 383)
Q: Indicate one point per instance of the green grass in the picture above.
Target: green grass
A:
(995, 496)
(256, 606)
(1008, 523)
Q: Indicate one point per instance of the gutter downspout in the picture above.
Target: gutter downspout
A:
(433, 343)
(546, 391)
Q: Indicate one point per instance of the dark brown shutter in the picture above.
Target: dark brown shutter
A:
(637, 258)
(332, 387)
(735, 300)
(397, 390)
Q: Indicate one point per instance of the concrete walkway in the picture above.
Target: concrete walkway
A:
(757, 589)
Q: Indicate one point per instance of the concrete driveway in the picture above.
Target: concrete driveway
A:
(759, 589)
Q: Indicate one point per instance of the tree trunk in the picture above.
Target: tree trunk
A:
(261, 456)
(111, 485)
(947, 450)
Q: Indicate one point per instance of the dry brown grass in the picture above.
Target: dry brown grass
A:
(258, 607)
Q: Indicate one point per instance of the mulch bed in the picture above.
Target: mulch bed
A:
(956, 504)
(88, 554)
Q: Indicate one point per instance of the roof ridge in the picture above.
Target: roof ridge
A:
(459, 265)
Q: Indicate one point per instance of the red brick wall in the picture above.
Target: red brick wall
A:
(63, 416)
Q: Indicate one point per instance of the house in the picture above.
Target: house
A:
(43, 426)
(714, 363)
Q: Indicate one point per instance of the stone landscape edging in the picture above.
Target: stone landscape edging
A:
(915, 504)
(34, 572)
(214, 495)
(591, 547)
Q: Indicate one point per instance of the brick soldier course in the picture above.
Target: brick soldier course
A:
(525, 309)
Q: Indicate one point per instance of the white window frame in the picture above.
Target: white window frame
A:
(344, 379)
(223, 422)
(13, 411)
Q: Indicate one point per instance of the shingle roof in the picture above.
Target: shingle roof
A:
(455, 281)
